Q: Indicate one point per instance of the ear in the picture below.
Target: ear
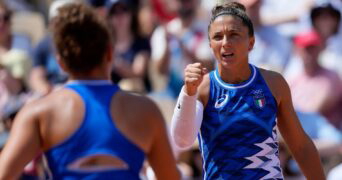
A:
(251, 43)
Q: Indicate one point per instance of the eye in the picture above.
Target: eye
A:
(217, 37)
(235, 34)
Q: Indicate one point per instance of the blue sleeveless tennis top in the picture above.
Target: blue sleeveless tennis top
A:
(97, 135)
(238, 137)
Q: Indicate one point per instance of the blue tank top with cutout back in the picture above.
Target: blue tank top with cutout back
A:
(97, 135)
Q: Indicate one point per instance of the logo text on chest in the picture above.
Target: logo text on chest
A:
(221, 101)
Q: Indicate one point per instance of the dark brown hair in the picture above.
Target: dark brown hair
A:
(81, 37)
(234, 9)
(326, 9)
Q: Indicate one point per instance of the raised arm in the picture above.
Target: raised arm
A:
(188, 113)
(23, 145)
(300, 145)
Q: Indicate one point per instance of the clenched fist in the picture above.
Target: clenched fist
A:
(193, 76)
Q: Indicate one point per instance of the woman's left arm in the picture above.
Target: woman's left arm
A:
(24, 143)
(300, 145)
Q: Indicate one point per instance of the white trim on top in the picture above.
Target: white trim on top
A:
(225, 85)
(90, 82)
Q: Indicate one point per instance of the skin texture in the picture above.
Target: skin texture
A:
(44, 123)
(229, 35)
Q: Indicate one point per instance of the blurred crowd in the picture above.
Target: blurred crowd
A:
(156, 39)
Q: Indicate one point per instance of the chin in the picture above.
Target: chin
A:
(228, 63)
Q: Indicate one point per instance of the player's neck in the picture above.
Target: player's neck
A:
(235, 75)
(93, 75)
(75, 78)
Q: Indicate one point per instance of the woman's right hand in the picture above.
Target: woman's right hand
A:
(193, 76)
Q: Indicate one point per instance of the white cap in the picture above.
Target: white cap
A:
(55, 5)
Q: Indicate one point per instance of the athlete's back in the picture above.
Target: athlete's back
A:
(93, 131)
(88, 129)
(97, 149)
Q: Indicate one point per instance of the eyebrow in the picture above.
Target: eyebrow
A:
(234, 29)
(230, 30)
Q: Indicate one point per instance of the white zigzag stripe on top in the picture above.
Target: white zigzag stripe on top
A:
(274, 132)
(266, 159)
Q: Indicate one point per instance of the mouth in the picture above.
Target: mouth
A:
(227, 55)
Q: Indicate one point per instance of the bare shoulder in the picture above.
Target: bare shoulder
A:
(271, 76)
(276, 82)
(137, 108)
(39, 110)
(137, 117)
(132, 100)
(36, 106)
(204, 89)
(56, 100)
(30, 112)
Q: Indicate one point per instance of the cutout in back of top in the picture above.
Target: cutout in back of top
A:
(98, 163)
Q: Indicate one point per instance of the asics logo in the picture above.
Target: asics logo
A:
(221, 101)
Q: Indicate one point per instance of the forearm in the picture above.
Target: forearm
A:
(186, 120)
(309, 161)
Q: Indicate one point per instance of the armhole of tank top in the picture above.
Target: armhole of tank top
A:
(267, 85)
(113, 122)
(113, 92)
(109, 105)
(211, 83)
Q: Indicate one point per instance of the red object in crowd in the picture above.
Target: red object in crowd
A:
(305, 39)
(161, 12)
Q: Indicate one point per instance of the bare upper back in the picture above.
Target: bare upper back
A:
(61, 114)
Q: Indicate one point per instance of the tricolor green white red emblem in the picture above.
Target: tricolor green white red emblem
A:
(259, 98)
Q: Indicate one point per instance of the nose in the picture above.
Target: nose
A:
(226, 42)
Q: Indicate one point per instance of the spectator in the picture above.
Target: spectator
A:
(132, 51)
(46, 73)
(12, 58)
(165, 10)
(326, 20)
(315, 89)
(271, 49)
(9, 87)
(180, 42)
(146, 18)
